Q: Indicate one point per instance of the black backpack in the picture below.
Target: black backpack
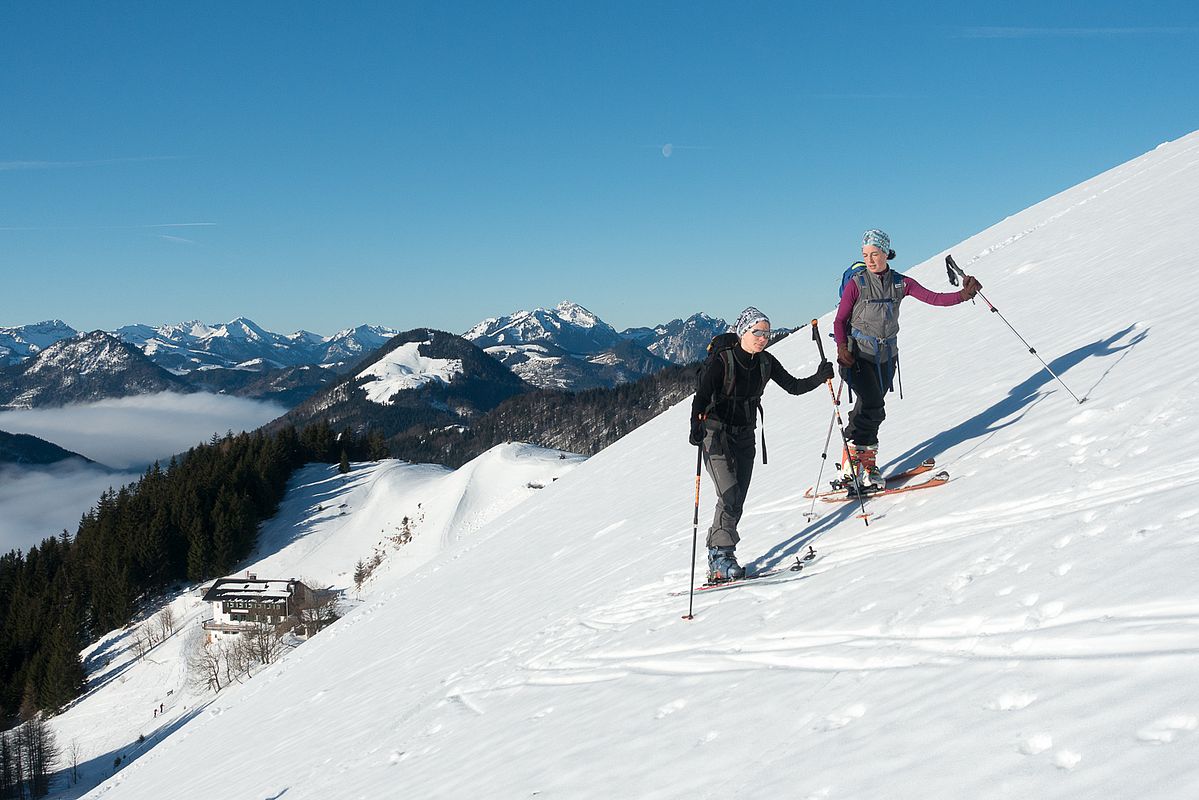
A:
(720, 348)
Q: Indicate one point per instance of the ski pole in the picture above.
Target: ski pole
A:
(699, 465)
(853, 470)
(951, 268)
(824, 456)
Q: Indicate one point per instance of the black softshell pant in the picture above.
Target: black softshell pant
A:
(869, 411)
(729, 455)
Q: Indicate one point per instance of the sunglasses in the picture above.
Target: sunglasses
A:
(762, 334)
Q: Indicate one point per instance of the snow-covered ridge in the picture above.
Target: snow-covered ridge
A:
(406, 368)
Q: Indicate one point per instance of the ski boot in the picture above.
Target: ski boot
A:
(860, 460)
(869, 475)
(723, 566)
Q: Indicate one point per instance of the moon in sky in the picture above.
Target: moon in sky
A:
(667, 149)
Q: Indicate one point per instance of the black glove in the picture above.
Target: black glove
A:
(824, 372)
(697, 432)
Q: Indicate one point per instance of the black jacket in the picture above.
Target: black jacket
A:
(740, 408)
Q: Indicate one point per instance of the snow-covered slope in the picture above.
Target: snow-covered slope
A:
(325, 525)
(405, 368)
(1029, 630)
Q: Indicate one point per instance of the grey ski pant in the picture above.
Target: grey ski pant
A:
(729, 455)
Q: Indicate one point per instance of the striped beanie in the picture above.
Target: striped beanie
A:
(749, 318)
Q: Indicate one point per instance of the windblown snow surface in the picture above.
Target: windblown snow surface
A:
(1029, 630)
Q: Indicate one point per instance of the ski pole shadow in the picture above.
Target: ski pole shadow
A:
(1020, 399)
(781, 553)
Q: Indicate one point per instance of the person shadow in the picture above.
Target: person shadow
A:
(1019, 400)
(1002, 414)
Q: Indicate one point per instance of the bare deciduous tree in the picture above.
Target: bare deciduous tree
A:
(262, 644)
(206, 664)
(74, 756)
(166, 622)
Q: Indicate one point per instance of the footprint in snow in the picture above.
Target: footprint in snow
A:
(840, 719)
(670, 708)
(1167, 729)
(1012, 701)
(1050, 610)
(1036, 744)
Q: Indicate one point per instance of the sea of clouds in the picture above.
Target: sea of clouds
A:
(123, 436)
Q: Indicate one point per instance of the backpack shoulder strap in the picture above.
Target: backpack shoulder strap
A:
(726, 356)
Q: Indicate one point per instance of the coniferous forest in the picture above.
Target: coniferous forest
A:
(192, 520)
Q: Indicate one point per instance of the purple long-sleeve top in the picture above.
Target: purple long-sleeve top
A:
(911, 288)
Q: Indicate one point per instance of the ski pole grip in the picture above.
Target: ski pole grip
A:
(953, 265)
(817, 339)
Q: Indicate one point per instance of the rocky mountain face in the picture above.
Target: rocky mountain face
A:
(680, 341)
(89, 367)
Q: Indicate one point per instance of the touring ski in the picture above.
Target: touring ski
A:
(940, 479)
(892, 480)
(801, 563)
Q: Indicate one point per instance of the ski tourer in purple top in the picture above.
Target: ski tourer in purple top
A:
(867, 333)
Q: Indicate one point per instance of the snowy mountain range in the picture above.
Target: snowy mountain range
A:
(242, 344)
(569, 347)
(1028, 629)
(84, 368)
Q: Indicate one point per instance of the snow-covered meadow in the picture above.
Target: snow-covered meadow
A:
(1030, 629)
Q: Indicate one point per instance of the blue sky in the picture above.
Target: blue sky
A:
(434, 163)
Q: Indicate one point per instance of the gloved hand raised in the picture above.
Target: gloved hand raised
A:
(824, 372)
(970, 287)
